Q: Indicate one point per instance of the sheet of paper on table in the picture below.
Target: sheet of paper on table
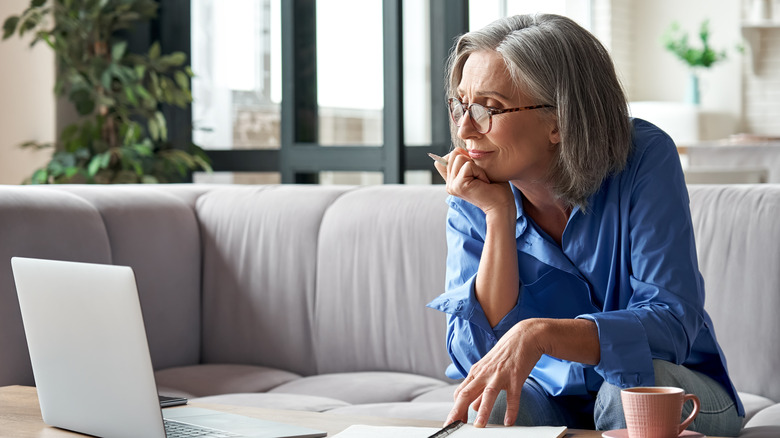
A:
(467, 431)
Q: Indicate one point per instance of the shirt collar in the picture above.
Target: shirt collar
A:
(531, 242)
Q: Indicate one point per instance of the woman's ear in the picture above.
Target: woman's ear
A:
(555, 135)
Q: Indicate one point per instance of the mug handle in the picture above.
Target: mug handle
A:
(694, 412)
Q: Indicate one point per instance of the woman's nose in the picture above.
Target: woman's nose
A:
(466, 128)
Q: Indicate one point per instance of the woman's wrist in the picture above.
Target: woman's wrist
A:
(574, 340)
(503, 212)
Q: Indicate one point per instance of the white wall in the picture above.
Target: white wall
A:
(27, 104)
(657, 75)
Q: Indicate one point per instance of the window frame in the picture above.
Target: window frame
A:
(300, 157)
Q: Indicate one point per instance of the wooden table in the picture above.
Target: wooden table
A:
(20, 417)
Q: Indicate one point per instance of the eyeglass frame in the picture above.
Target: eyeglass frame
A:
(491, 112)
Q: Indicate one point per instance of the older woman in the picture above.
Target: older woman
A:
(572, 269)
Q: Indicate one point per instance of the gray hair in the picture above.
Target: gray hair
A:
(555, 61)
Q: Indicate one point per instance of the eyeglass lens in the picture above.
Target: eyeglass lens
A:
(478, 113)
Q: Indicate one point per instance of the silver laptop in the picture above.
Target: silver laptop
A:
(91, 361)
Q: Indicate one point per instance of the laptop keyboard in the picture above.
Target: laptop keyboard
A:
(177, 429)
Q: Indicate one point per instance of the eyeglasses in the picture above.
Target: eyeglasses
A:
(482, 117)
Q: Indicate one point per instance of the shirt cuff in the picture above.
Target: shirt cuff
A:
(626, 360)
(462, 302)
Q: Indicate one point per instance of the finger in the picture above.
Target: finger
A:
(512, 405)
(475, 405)
(459, 412)
(462, 386)
(489, 396)
(455, 162)
(466, 393)
(441, 169)
(480, 174)
(468, 174)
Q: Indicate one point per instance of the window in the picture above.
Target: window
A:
(237, 88)
(236, 55)
(349, 72)
(302, 91)
(484, 12)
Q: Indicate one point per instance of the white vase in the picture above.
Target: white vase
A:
(759, 10)
(776, 11)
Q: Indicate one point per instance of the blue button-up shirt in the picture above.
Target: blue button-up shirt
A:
(627, 262)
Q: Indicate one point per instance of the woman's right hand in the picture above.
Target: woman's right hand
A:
(466, 180)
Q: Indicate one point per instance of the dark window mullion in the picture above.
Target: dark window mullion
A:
(393, 116)
(315, 158)
(449, 19)
(300, 122)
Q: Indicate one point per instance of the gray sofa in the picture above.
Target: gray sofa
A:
(313, 297)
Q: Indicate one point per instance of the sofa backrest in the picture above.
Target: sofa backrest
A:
(316, 279)
(29, 227)
(738, 244)
(154, 230)
(381, 258)
(259, 265)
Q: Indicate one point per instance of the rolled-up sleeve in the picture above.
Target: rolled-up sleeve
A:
(469, 334)
(661, 305)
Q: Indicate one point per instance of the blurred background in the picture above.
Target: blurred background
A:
(351, 91)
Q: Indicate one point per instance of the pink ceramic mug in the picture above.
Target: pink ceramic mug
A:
(655, 411)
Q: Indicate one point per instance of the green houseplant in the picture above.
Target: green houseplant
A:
(121, 135)
(676, 41)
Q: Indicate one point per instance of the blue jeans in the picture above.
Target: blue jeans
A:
(604, 410)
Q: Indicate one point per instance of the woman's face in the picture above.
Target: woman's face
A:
(520, 146)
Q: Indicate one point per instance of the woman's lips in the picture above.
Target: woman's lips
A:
(477, 154)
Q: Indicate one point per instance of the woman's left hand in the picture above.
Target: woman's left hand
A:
(505, 367)
(509, 363)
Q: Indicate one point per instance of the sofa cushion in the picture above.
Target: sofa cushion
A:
(40, 222)
(259, 262)
(766, 417)
(213, 379)
(374, 279)
(737, 232)
(434, 411)
(365, 387)
(443, 394)
(760, 432)
(293, 402)
(155, 232)
(753, 404)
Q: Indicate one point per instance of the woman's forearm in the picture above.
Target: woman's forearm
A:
(575, 340)
(498, 280)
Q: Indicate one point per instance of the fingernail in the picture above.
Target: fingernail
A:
(480, 421)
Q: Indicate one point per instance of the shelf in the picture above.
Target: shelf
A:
(751, 31)
(762, 24)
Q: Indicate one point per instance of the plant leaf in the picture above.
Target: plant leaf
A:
(118, 50)
(182, 79)
(83, 101)
(9, 26)
(175, 59)
(154, 51)
(154, 130)
(163, 125)
(131, 96)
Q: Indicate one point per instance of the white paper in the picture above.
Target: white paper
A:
(466, 431)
